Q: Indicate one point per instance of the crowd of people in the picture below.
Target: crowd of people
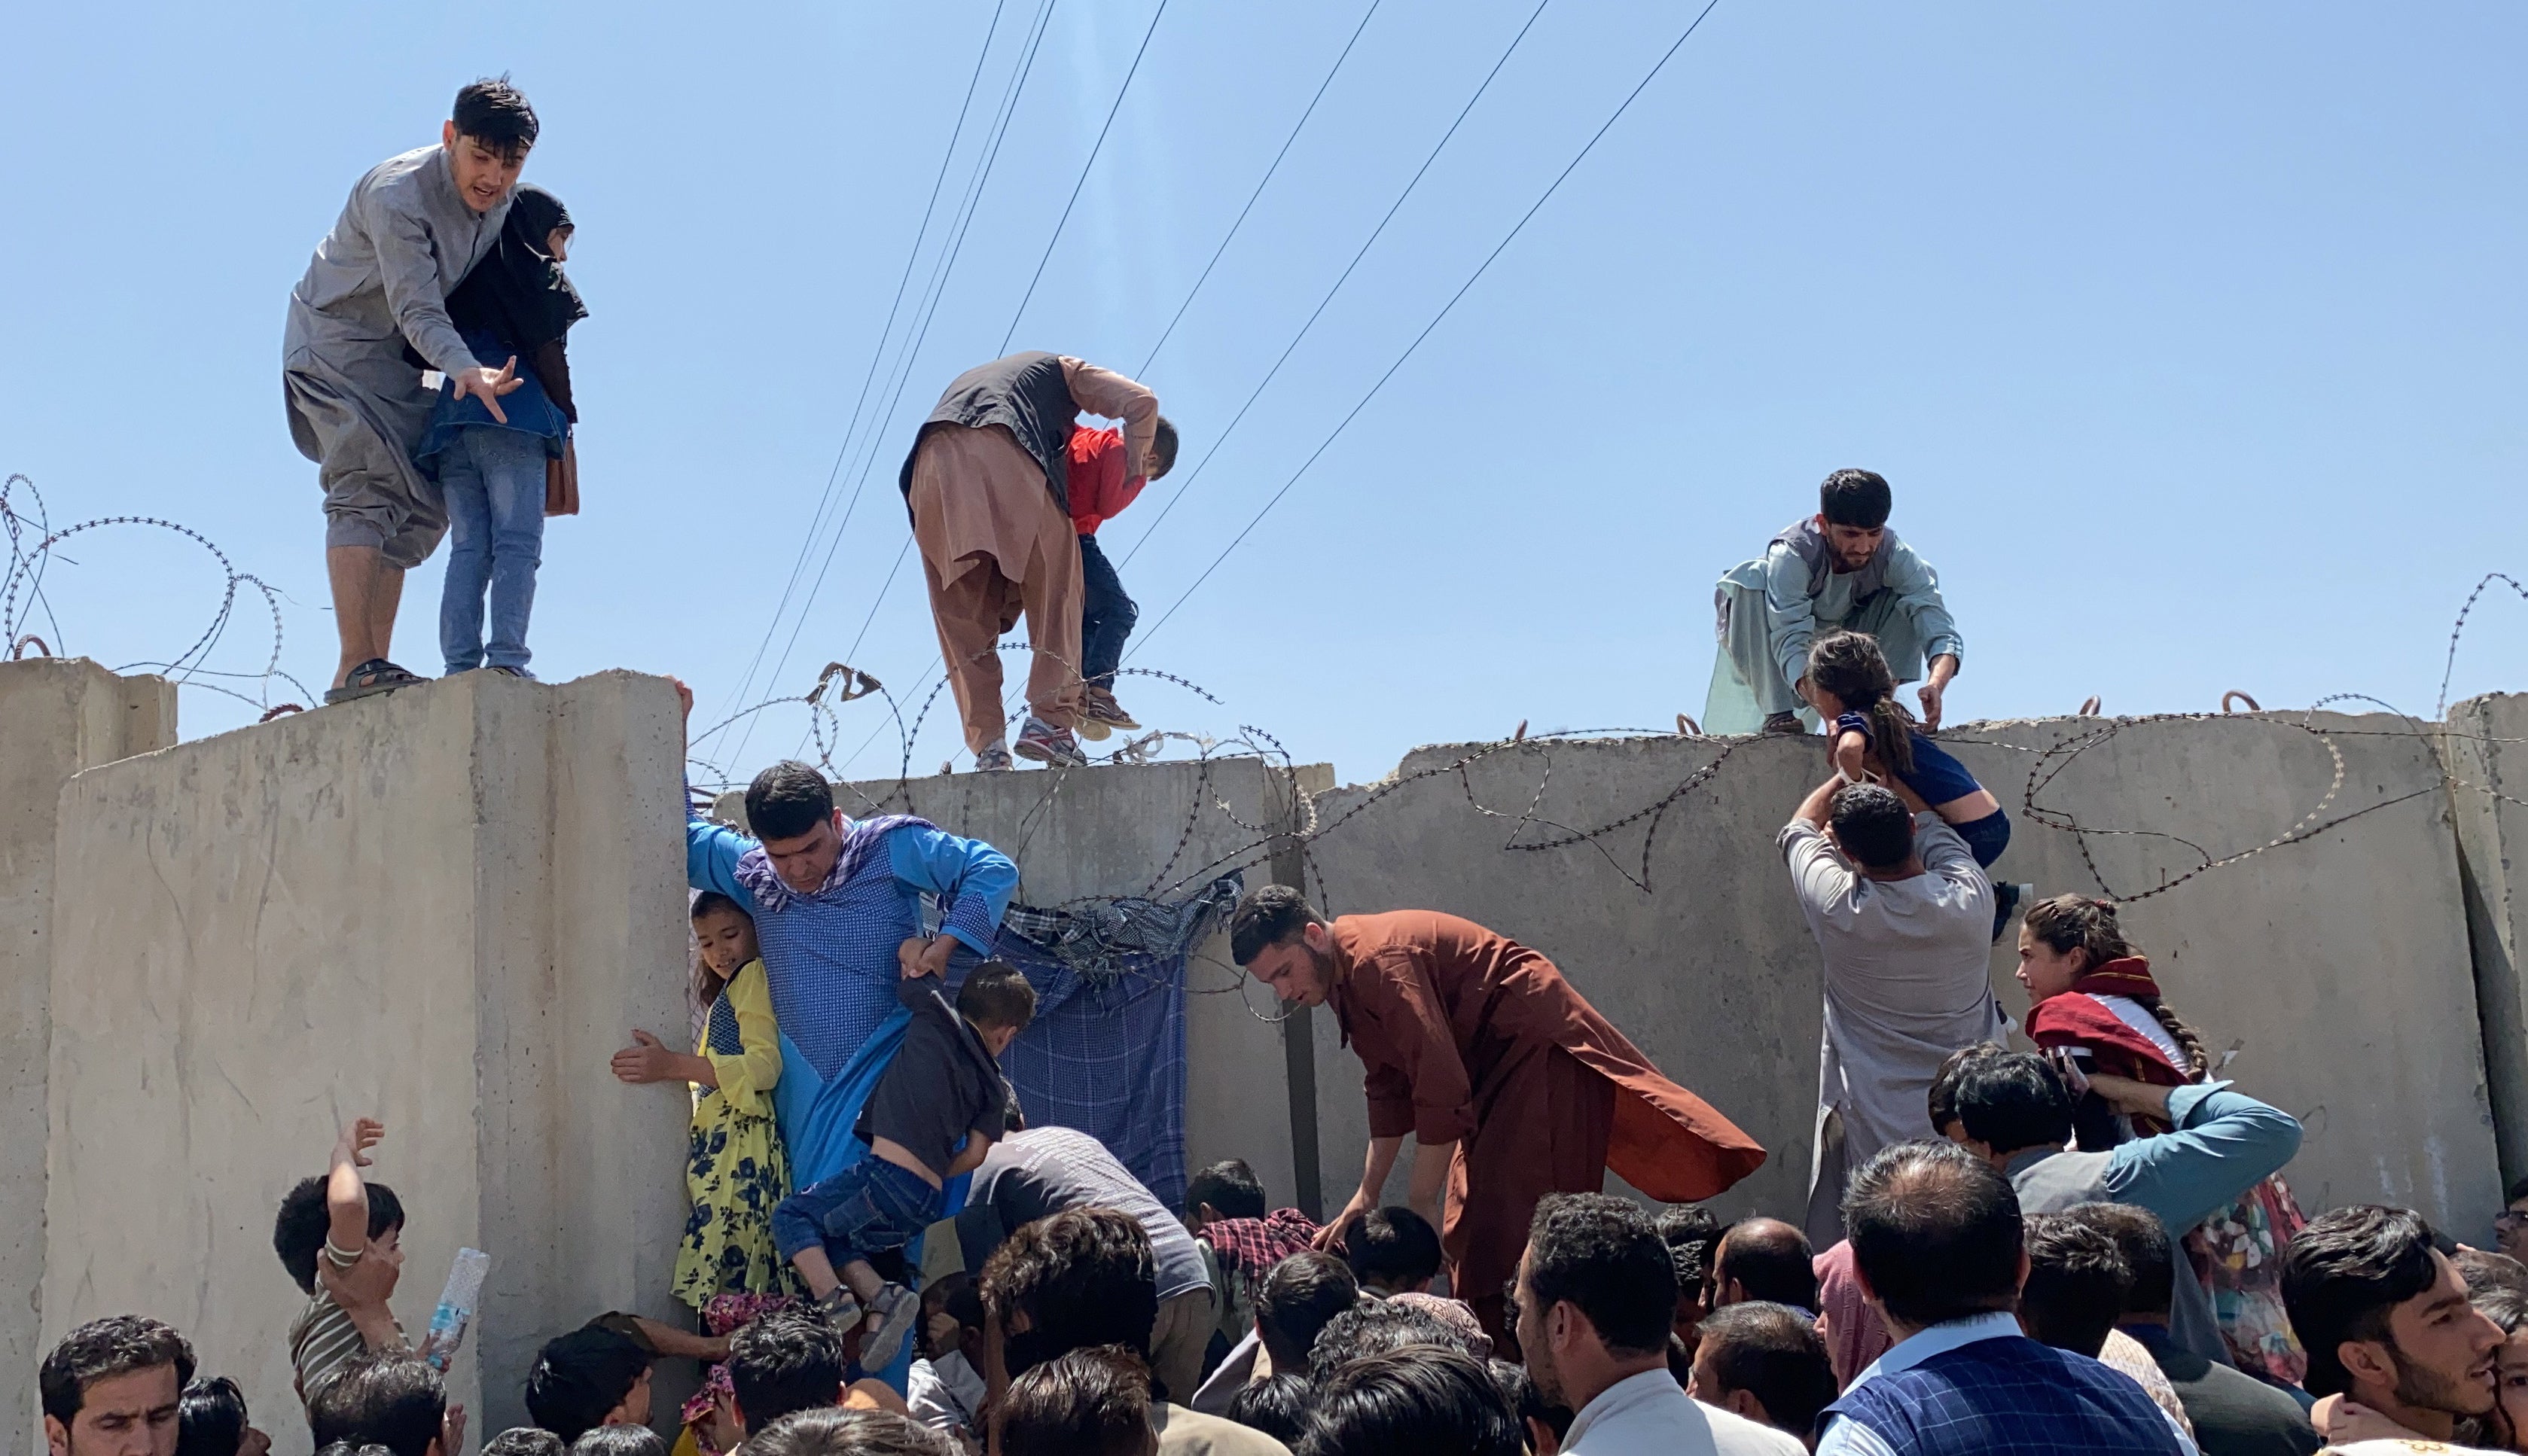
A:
(2088, 1247)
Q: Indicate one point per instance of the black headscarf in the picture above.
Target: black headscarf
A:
(518, 288)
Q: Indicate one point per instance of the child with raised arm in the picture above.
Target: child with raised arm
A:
(1852, 688)
(348, 1225)
(943, 1088)
(738, 1168)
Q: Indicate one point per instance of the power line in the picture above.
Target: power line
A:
(1366, 244)
(1471, 279)
(1098, 146)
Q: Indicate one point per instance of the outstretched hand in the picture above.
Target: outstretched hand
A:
(1930, 695)
(489, 385)
(360, 1135)
(645, 1060)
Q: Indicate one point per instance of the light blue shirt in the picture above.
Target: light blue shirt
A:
(1793, 618)
(1846, 1436)
(2223, 1144)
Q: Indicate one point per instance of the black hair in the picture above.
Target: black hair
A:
(1092, 1402)
(1871, 825)
(2483, 1270)
(708, 903)
(494, 113)
(1163, 444)
(1393, 1246)
(100, 1350)
(1771, 1260)
(995, 995)
(1375, 1327)
(1774, 1353)
(1944, 1082)
(1411, 1403)
(787, 800)
(1296, 1300)
(1850, 666)
(391, 1398)
(2342, 1276)
(1082, 1277)
(2506, 1308)
(2078, 1282)
(1934, 1231)
(1276, 1405)
(1604, 1256)
(785, 1361)
(1855, 497)
(298, 1230)
(525, 1441)
(1231, 1187)
(1267, 917)
(618, 1441)
(1689, 1230)
(1527, 1399)
(2143, 1240)
(2518, 1191)
(830, 1431)
(210, 1418)
(579, 1377)
(2013, 1102)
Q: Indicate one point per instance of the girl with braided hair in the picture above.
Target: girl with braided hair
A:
(2093, 1004)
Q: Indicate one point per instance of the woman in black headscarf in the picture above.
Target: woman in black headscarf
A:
(502, 475)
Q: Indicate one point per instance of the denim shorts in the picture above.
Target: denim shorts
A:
(867, 1207)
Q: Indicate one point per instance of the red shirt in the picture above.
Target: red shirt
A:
(1100, 486)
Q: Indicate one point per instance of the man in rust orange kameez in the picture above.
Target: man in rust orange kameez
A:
(1513, 1085)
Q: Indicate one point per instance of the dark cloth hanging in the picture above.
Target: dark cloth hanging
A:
(520, 292)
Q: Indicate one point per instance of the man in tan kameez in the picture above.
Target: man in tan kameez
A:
(987, 483)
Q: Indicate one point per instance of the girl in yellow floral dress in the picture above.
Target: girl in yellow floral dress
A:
(738, 1169)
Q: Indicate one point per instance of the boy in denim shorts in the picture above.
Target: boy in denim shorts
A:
(944, 1086)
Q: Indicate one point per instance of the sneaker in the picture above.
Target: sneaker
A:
(891, 1316)
(1786, 722)
(1046, 743)
(2006, 898)
(994, 758)
(1102, 713)
(841, 1311)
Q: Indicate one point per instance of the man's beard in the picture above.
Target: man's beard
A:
(2426, 1390)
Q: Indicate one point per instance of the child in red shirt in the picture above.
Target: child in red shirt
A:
(1101, 486)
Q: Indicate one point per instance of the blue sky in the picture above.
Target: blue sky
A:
(2189, 337)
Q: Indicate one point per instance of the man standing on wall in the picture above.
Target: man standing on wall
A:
(1513, 1084)
(987, 483)
(415, 224)
(1840, 568)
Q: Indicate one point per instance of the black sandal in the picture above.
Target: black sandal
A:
(375, 676)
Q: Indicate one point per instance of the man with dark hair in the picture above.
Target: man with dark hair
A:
(785, 1361)
(2014, 1112)
(1093, 1402)
(2388, 1328)
(414, 226)
(114, 1387)
(1375, 1327)
(1392, 1251)
(2232, 1413)
(1902, 915)
(1295, 1303)
(838, 915)
(833, 1431)
(1766, 1362)
(2077, 1284)
(1764, 1259)
(588, 1379)
(396, 1400)
(987, 483)
(1595, 1295)
(1479, 1048)
(1937, 1241)
(1080, 1278)
(1417, 1402)
(2510, 1226)
(1841, 568)
(1690, 1232)
(1039, 1170)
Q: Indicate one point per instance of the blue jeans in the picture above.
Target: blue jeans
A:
(1986, 837)
(493, 480)
(1106, 616)
(868, 1208)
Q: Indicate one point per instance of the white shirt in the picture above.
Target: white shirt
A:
(947, 1393)
(1650, 1415)
(1845, 1437)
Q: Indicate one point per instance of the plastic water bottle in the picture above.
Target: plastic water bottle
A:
(456, 1304)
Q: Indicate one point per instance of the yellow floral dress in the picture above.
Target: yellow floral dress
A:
(738, 1169)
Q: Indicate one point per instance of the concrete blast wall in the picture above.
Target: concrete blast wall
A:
(443, 907)
(57, 716)
(2339, 967)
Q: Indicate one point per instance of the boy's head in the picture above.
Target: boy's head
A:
(525, 1441)
(1852, 511)
(782, 1362)
(211, 1419)
(1163, 450)
(298, 1233)
(1871, 825)
(998, 1001)
(391, 1398)
(488, 135)
(115, 1388)
(726, 932)
(588, 1379)
(1227, 1189)
(1298, 1300)
(1081, 1278)
(1392, 1251)
(619, 1441)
